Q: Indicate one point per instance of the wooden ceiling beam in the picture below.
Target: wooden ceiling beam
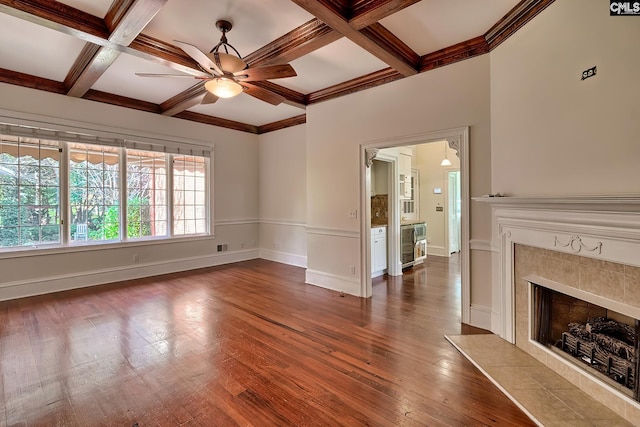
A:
(33, 82)
(339, 23)
(216, 121)
(281, 124)
(296, 43)
(522, 13)
(458, 52)
(122, 101)
(71, 21)
(59, 17)
(368, 12)
(358, 84)
(127, 19)
(383, 37)
(292, 97)
(355, 19)
(184, 100)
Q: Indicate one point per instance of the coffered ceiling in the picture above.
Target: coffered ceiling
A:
(94, 48)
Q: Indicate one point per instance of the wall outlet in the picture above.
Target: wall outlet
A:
(439, 208)
(136, 258)
(352, 269)
(353, 214)
(222, 248)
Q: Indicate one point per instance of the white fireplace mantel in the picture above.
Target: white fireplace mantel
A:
(605, 227)
(605, 202)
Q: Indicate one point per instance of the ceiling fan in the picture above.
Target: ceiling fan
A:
(226, 71)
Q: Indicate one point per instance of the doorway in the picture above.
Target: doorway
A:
(458, 141)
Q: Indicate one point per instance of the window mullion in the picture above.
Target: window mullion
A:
(65, 208)
(170, 194)
(122, 176)
(209, 202)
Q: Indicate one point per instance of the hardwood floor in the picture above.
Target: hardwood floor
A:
(245, 344)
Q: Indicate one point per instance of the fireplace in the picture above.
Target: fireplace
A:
(584, 251)
(603, 342)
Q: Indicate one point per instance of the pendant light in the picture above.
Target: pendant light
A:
(445, 161)
(225, 86)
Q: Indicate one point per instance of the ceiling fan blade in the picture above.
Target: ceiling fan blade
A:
(209, 98)
(170, 75)
(266, 73)
(200, 57)
(263, 94)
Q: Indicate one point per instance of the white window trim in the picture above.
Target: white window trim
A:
(89, 133)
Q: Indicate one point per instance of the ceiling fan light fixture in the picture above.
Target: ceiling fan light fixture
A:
(223, 87)
(227, 62)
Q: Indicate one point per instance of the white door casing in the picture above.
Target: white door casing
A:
(458, 139)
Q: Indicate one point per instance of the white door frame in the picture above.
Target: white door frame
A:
(394, 264)
(457, 138)
(448, 195)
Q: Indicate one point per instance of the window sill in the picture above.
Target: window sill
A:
(28, 251)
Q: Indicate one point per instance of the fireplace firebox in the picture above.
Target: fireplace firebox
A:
(602, 341)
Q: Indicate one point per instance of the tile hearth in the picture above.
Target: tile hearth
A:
(545, 396)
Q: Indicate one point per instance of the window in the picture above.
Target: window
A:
(146, 194)
(62, 190)
(94, 192)
(189, 196)
(29, 191)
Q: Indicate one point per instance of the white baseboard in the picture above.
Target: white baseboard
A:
(284, 257)
(437, 251)
(346, 284)
(378, 273)
(496, 326)
(26, 288)
(480, 316)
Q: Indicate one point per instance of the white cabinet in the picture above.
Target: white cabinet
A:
(378, 251)
(409, 205)
(404, 170)
(379, 178)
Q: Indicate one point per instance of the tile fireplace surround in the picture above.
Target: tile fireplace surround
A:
(588, 246)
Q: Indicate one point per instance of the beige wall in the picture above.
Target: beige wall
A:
(235, 183)
(553, 133)
(446, 98)
(283, 198)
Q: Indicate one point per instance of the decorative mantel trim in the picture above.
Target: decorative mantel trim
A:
(611, 203)
(576, 244)
(604, 227)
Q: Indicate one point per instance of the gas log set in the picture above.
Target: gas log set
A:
(608, 346)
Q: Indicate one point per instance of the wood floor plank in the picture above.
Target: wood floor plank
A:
(245, 344)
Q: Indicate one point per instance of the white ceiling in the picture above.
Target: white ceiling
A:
(426, 26)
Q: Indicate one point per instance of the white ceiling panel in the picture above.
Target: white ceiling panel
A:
(43, 53)
(247, 109)
(335, 63)
(29, 51)
(97, 8)
(120, 79)
(255, 22)
(431, 25)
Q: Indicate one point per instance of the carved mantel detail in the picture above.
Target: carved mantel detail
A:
(576, 244)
